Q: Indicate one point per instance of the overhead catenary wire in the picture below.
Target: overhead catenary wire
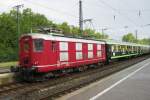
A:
(114, 9)
(114, 15)
(55, 10)
(52, 9)
(7, 6)
(134, 10)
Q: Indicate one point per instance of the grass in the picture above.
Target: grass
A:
(8, 64)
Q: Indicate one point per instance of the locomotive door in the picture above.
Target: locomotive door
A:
(25, 51)
(108, 53)
(53, 52)
(85, 51)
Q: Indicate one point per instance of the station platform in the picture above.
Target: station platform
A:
(132, 83)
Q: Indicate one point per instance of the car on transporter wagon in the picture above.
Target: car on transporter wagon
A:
(45, 55)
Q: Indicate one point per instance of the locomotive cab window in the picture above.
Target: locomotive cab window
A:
(38, 45)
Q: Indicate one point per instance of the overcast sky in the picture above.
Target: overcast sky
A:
(102, 12)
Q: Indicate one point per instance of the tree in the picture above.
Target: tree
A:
(8, 30)
(145, 41)
(32, 21)
(65, 27)
(129, 38)
(8, 37)
(89, 33)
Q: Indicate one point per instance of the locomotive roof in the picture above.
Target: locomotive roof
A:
(62, 38)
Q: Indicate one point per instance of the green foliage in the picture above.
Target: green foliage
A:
(65, 27)
(8, 36)
(75, 31)
(144, 41)
(8, 31)
(129, 38)
(88, 33)
(93, 34)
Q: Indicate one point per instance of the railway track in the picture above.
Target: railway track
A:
(55, 86)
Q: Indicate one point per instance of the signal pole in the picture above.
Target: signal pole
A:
(18, 20)
(17, 7)
(80, 17)
(136, 33)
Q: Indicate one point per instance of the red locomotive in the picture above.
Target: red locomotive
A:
(46, 54)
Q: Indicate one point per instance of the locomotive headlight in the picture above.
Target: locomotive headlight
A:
(35, 63)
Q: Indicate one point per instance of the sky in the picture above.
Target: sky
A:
(117, 17)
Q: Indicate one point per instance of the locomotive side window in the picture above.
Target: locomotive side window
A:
(79, 54)
(90, 50)
(63, 46)
(99, 50)
(78, 46)
(38, 45)
(99, 47)
(90, 54)
(90, 46)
